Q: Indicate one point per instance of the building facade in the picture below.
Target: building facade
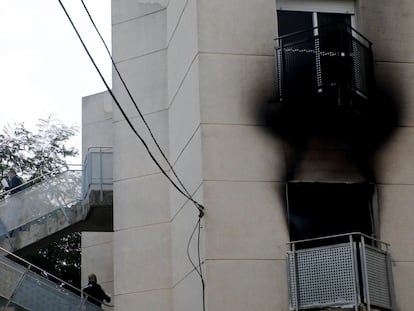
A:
(205, 76)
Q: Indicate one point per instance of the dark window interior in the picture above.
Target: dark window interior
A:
(321, 209)
(292, 21)
(330, 24)
(301, 69)
(331, 18)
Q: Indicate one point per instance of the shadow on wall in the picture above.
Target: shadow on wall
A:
(361, 126)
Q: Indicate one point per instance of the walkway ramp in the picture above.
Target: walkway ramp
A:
(57, 204)
(41, 210)
(25, 287)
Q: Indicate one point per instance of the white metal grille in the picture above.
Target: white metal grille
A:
(378, 278)
(325, 277)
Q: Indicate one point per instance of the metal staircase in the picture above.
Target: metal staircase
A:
(52, 203)
(25, 287)
(59, 203)
(44, 208)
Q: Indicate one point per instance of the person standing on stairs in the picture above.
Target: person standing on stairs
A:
(95, 293)
(14, 182)
(14, 186)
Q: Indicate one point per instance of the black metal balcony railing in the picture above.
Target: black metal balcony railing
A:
(332, 60)
(351, 273)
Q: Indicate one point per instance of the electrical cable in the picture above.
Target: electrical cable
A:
(197, 269)
(200, 273)
(199, 264)
(198, 205)
(189, 197)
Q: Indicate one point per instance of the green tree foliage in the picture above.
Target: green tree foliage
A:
(35, 154)
(61, 258)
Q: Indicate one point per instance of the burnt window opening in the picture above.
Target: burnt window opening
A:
(317, 209)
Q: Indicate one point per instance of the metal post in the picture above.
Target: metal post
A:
(355, 271)
(100, 174)
(365, 273)
(282, 69)
(295, 274)
(84, 298)
(390, 278)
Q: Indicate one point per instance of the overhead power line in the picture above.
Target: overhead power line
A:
(200, 208)
(184, 192)
(132, 98)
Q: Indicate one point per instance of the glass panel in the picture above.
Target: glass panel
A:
(59, 193)
(10, 275)
(37, 293)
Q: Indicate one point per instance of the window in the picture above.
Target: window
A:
(298, 15)
(317, 209)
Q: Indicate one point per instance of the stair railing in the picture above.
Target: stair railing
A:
(25, 285)
(47, 194)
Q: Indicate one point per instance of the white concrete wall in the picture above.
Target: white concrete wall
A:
(185, 149)
(243, 164)
(390, 27)
(96, 121)
(199, 70)
(97, 247)
(97, 257)
(142, 242)
(199, 75)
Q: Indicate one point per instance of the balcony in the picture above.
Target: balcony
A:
(97, 189)
(331, 63)
(348, 271)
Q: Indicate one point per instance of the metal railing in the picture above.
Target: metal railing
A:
(48, 196)
(25, 286)
(97, 171)
(354, 270)
(327, 59)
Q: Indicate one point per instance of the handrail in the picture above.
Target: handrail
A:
(34, 181)
(49, 276)
(99, 148)
(337, 236)
(323, 26)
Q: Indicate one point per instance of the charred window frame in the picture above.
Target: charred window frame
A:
(317, 209)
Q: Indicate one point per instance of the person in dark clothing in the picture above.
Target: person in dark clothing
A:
(93, 289)
(15, 203)
(14, 182)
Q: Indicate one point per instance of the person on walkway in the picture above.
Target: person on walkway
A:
(14, 182)
(95, 292)
(15, 204)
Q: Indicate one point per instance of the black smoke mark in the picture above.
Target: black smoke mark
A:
(362, 125)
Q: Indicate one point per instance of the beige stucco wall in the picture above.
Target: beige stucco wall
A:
(97, 257)
(199, 93)
(199, 70)
(142, 240)
(390, 27)
(97, 247)
(245, 223)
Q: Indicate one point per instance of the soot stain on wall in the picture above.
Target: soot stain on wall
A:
(363, 127)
